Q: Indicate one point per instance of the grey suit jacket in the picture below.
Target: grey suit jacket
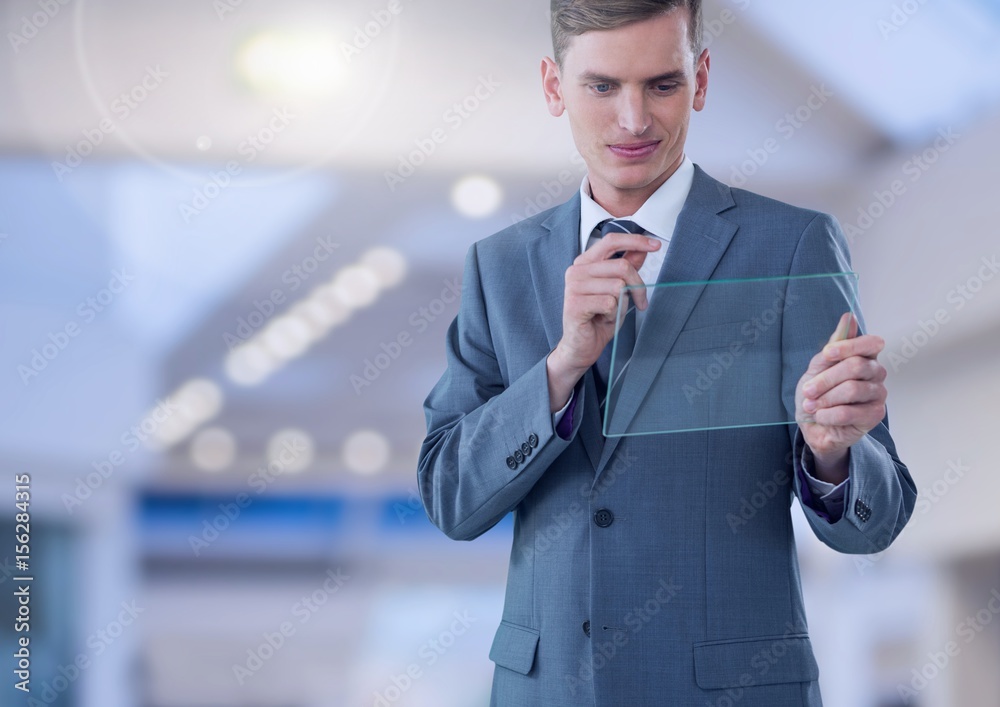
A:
(629, 581)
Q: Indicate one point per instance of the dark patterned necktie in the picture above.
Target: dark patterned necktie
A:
(627, 332)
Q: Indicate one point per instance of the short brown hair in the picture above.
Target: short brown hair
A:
(571, 18)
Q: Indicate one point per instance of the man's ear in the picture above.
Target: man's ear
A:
(701, 79)
(552, 86)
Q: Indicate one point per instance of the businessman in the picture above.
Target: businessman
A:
(629, 581)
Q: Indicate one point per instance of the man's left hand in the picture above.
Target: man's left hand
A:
(841, 397)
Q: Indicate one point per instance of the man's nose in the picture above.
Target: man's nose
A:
(634, 113)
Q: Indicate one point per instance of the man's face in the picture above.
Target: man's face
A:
(629, 93)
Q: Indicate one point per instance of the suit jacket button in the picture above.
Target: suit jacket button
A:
(511, 463)
(533, 439)
(518, 456)
(525, 448)
(586, 628)
(604, 518)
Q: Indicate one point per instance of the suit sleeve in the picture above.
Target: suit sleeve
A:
(880, 494)
(487, 444)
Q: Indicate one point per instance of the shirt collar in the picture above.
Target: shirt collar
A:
(658, 215)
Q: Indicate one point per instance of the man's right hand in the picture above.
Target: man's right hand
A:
(593, 284)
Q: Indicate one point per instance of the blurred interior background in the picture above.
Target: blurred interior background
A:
(231, 242)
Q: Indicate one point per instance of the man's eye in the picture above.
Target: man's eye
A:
(602, 87)
(666, 87)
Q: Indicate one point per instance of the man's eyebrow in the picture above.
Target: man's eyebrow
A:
(675, 75)
(593, 77)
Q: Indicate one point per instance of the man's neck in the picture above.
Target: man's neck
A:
(625, 202)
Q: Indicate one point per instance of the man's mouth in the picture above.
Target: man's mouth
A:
(635, 150)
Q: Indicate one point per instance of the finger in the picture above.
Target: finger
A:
(638, 291)
(606, 292)
(855, 368)
(603, 307)
(609, 277)
(863, 416)
(855, 327)
(842, 330)
(610, 293)
(637, 288)
(635, 258)
(850, 392)
(823, 359)
(603, 269)
(631, 248)
(614, 243)
(867, 346)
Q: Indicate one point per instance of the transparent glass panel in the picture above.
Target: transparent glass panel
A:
(723, 353)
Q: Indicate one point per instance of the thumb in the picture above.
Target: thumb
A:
(847, 328)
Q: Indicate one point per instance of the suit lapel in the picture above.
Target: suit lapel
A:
(698, 243)
(549, 256)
